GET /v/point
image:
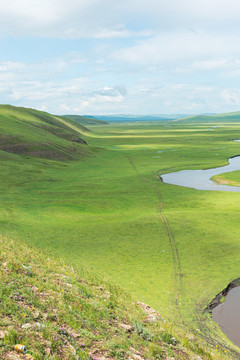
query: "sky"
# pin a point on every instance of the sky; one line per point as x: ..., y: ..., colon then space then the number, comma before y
x: 121, y: 57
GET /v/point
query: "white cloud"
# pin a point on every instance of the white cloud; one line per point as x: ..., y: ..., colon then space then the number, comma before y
x: 165, y: 56
x: 64, y: 19
x: 210, y: 64
x: 231, y: 97
x: 25, y: 85
x: 179, y: 46
x: 107, y: 18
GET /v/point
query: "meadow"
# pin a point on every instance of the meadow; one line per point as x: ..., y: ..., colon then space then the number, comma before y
x: 107, y: 211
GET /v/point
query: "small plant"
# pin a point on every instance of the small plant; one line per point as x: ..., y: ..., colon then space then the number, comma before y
x: 222, y: 299
x: 117, y: 351
x: 156, y: 351
x: 167, y: 338
x: 142, y: 331
x: 11, y: 338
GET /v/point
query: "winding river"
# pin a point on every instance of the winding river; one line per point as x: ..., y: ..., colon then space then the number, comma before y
x: 200, y: 179
x: 227, y: 314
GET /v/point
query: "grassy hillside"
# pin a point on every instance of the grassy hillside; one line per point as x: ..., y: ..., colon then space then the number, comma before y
x: 36, y: 133
x: 109, y: 213
x: 59, y: 312
x: 225, y: 118
x: 86, y: 120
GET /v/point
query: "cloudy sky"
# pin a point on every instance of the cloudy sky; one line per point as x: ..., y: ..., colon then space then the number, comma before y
x: 120, y: 57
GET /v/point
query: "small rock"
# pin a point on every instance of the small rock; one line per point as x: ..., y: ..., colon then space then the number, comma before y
x: 191, y: 337
x: 2, y: 334
x: 34, y: 289
x: 36, y: 315
x: 12, y: 357
x: 39, y: 326
x: 151, y: 318
x: 62, y: 275
x: 137, y: 357
x: 72, y: 350
x: 27, y: 267
x: 70, y: 285
x: 94, y: 351
x: 26, y: 326
x: 48, y: 351
x: 143, y: 306
x: 135, y: 351
x: 126, y: 327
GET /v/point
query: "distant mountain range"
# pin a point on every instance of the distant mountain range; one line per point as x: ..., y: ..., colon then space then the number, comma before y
x: 130, y: 118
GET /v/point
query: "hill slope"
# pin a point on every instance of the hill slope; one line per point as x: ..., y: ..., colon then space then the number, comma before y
x: 36, y: 133
x: 225, y: 117
x: 60, y: 313
x: 86, y: 120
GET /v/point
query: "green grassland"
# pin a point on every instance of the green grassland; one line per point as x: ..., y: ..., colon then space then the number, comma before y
x: 102, y: 207
x: 232, y: 178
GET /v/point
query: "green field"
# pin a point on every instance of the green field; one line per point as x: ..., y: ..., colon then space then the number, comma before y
x: 102, y: 206
x: 232, y: 178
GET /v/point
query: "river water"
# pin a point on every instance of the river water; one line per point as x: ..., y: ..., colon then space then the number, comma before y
x: 227, y: 314
x: 200, y: 179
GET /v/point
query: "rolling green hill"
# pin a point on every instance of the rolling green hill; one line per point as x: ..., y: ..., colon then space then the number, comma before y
x: 36, y: 133
x: 225, y: 118
x: 86, y: 120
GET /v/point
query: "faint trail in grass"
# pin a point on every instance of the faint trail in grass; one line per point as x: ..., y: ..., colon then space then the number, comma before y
x: 177, y: 273
x: 205, y: 332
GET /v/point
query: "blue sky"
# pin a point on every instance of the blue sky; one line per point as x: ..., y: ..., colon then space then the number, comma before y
x: 125, y: 57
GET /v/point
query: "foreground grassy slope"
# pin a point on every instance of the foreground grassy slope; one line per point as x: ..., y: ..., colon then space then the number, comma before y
x: 59, y: 312
x: 35, y: 133
x: 103, y: 213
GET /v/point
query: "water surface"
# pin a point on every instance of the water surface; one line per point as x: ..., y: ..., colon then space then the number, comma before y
x: 227, y: 315
x: 200, y: 179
